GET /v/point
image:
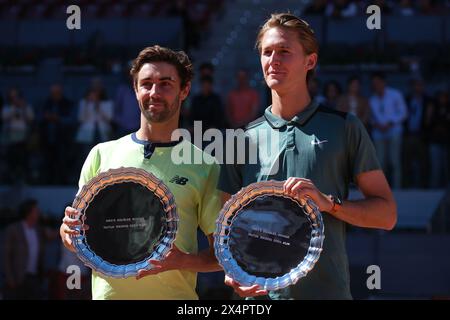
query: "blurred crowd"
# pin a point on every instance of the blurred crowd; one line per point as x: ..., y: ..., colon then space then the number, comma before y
x: 410, y: 130
x: 196, y: 15
x: 47, y: 143
x: 352, y: 8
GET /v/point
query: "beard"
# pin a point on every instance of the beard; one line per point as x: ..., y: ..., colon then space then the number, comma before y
x: 160, y: 115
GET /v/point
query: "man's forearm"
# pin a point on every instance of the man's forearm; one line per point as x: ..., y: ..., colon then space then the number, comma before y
x: 373, y: 212
x: 204, y: 261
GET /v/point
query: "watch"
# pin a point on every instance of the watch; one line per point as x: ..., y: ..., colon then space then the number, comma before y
x: 337, y: 204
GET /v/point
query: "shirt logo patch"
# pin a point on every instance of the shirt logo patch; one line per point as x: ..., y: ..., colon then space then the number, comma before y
x: 179, y: 180
x: 317, y: 142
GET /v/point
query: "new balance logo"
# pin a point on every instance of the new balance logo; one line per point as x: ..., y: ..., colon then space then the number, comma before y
x: 179, y: 180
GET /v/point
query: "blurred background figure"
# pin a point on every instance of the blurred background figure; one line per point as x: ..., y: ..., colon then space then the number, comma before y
x: 126, y: 108
x: 332, y: 92
x: 438, y: 125
x: 17, y: 116
x: 314, y: 90
x: 354, y: 102
x: 415, y: 151
x: 207, y: 106
x: 57, y: 129
x: 243, y: 102
x: 388, y: 113
x: 24, y: 254
x: 206, y: 69
x: 95, y: 116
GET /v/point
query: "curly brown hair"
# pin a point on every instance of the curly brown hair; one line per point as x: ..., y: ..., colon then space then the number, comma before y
x: 178, y: 59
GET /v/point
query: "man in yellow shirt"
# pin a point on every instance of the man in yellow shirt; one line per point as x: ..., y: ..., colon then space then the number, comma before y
x: 161, y: 80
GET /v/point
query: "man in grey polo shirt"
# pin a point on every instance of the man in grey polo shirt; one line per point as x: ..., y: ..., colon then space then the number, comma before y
x: 319, y: 153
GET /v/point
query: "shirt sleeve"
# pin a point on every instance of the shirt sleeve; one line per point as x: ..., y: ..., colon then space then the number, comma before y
x: 211, y: 202
x: 90, y: 168
x: 362, y: 156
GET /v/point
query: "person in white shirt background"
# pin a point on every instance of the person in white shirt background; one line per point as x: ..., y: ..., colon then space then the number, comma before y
x: 95, y: 116
x: 16, y: 117
x: 389, y: 111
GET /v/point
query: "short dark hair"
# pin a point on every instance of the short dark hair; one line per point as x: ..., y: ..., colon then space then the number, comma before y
x: 25, y: 207
x: 178, y: 59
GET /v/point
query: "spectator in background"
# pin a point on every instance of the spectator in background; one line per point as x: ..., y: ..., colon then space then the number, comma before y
x: 388, y: 113
x: 23, y: 255
x: 17, y: 116
x: 341, y: 9
x: 95, y: 115
x: 438, y: 128
x: 314, y: 90
x: 195, y: 16
x: 354, y: 102
x: 316, y: 8
x: 199, y: 13
x: 414, y: 145
x: 178, y: 9
x: 207, y: 106
x: 206, y: 69
x: 242, y: 102
x: 332, y: 92
x: 58, y: 121
x: 126, y: 109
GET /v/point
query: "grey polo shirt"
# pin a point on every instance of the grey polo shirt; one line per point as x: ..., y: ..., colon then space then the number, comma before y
x: 326, y: 146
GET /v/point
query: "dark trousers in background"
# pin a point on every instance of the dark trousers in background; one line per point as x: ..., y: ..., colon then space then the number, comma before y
x: 415, y: 161
x: 57, y: 160
x: 29, y: 289
x: 17, y: 162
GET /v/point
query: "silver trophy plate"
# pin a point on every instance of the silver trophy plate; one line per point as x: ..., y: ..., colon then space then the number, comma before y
x: 131, y: 217
x: 266, y: 237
